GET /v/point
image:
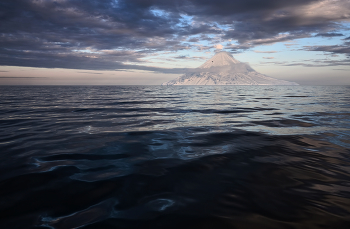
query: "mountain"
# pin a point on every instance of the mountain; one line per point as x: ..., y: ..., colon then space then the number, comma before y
x: 223, y: 69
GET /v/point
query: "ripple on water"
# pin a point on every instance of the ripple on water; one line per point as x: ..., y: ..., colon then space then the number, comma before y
x: 174, y: 157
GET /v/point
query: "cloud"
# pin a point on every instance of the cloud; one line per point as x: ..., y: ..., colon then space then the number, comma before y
x: 321, y: 63
x: 335, y: 49
x: 311, y: 63
x: 107, y: 34
x: 218, y: 46
x: 269, y: 57
x: 265, y: 51
x: 274, y: 62
x: 329, y: 35
x: 271, y: 40
x: 181, y: 57
x: 288, y: 45
x: 194, y: 39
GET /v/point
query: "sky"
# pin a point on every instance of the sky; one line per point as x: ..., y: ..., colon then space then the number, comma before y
x: 148, y: 42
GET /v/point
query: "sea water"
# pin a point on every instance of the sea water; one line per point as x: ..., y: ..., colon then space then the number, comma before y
x: 174, y: 157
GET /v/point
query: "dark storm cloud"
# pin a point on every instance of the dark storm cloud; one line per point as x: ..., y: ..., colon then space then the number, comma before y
x: 256, y: 22
x: 329, y: 35
x: 103, y: 34
x: 79, y: 62
x: 335, y: 49
x: 256, y: 42
x: 194, y: 39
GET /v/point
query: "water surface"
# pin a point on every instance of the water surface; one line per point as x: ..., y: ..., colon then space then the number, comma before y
x: 174, y: 157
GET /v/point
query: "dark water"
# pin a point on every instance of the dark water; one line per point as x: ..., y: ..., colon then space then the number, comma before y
x: 175, y: 157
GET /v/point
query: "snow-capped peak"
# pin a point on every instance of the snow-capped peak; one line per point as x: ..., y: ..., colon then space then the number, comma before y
x: 220, y: 59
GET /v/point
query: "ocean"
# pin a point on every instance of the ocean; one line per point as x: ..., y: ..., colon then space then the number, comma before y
x: 174, y: 157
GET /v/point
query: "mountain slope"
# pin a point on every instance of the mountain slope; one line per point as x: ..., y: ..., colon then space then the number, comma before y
x: 223, y: 69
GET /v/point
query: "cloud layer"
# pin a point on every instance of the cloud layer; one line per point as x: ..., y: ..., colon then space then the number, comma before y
x: 118, y: 34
